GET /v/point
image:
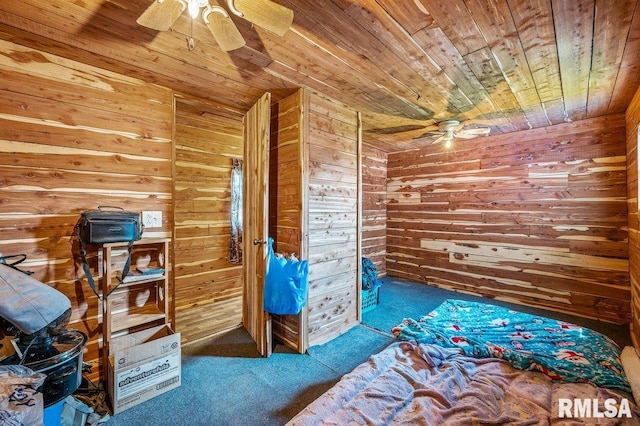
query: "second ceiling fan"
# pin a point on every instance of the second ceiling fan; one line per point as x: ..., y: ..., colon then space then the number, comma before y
x: 162, y: 14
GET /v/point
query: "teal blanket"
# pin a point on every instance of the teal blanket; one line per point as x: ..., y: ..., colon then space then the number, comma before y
x: 563, y: 351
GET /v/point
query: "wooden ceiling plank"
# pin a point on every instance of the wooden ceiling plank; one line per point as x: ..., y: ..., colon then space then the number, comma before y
x: 573, y: 23
x: 555, y: 112
x: 339, y: 34
x: 601, y: 86
x: 493, y: 18
x: 389, y: 33
x: 611, y: 29
x: 532, y: 107
x: 323, y: 66
x: 326, y: 67
x: 457, y: 23
x: 629, y: 73
x: 321, y: 30
x: 411, y: 15
x: 534, y: 23
x: 443, y: 52
x: 489, y: 74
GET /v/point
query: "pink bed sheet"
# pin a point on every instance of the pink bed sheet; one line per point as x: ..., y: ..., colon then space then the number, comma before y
x: 424, y: 384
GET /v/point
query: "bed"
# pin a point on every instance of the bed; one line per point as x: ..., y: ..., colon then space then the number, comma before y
x: 474, y: 363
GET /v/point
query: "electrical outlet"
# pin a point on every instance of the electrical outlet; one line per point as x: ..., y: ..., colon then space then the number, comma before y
x: 152, y: 219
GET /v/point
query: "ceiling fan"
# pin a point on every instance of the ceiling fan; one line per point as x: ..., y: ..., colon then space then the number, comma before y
x: 451, y: 129
x: 162, y: 14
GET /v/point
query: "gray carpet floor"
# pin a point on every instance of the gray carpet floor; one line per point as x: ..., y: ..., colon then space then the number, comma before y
x: 226, y: 382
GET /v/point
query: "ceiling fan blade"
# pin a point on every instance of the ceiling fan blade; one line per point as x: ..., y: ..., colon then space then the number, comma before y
x: 461, y: 135
x: 477, y: 131
x: 472, y: 133
x: 223, y: 29
x: 440, y: 139
x: 264, y: 13
x: 161, y: 14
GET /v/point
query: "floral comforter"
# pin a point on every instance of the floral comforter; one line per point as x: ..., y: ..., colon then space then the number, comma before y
x: 563, y: 351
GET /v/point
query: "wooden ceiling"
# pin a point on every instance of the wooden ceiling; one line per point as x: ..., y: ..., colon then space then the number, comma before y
x: 405, y: 64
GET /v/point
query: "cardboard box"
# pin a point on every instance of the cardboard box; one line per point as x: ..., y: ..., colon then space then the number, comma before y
x: 143, y: 365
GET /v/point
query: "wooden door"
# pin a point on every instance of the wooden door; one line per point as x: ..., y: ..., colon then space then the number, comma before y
x: 256, y: 218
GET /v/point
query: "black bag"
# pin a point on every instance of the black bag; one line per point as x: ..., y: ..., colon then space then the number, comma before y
x: 109, y: 226
x: 103, y: 226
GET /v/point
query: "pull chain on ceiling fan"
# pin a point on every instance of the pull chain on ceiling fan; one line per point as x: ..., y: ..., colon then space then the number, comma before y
x: 162, y: 14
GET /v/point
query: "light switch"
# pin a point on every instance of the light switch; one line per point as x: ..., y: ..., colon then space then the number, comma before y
x: 152, y: 219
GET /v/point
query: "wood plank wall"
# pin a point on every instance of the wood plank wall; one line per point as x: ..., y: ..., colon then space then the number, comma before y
x: 537, y: 218
x: 286, y: 170
x: 333, y: 233
x: 633, y: 130
x: 374, y: 207
x: 74, y: 137
x: 208, y: 288
x: 287, y: 206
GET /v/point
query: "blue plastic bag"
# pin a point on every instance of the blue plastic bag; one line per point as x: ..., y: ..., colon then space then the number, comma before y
x: 285, y: 287
x: 369, y: 275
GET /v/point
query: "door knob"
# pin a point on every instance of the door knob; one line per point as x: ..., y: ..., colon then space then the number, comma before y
x: 257, y: 242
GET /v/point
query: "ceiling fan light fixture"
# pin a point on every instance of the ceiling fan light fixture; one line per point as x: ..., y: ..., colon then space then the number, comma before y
x: 449, y: 130
x: 194, y: 6
x: 450, y: 135
x: 162, y: 14
x: 448, y: 126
